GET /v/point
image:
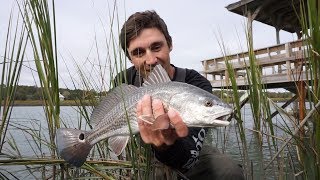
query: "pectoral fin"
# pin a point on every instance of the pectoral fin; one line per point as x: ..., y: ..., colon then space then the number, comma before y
x: 118, y: 143
x: 147, y: 118
x: 161, y: 122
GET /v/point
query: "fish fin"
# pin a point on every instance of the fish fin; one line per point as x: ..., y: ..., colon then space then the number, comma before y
x: 157, y: 75
x: 159, y: 123
x: 118, y: 143
x: 72, y: 145
x: 162, y: 122
x: 108, y: 102
x: 147, y: 118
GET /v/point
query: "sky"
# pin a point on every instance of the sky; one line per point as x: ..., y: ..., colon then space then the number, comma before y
x: 196, y: 27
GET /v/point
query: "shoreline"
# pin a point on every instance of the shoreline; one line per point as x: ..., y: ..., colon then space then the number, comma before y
x: 62, y: 103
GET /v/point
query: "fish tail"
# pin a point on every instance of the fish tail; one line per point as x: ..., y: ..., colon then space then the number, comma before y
x: 72, y: 145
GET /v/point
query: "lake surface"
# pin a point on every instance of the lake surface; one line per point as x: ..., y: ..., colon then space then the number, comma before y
x: 225, y: 139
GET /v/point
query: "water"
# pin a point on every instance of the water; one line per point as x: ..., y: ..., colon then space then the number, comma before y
x: 25, y: 121
x: 226, y: 139
x: 258, y: 155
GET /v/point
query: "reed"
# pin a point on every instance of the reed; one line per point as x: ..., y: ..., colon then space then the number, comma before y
x: 39, y: 25
x: 304, y: 161
x: 237, y: 103
x: 15, y: 46
x: 309, y: 143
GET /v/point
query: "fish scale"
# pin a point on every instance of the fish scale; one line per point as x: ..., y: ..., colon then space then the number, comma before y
x: 118, y: 113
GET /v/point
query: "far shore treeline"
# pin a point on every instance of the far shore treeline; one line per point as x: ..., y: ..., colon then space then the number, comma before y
x: 33, y: 93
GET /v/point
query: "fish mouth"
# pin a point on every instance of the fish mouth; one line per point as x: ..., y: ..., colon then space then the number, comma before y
x: 223, y: 114
x: 213, y: 124
x: 220, y: 119
x: 223, y: 117
x: 220, y: 123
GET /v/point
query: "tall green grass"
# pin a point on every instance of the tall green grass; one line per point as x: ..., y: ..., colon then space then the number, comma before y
x: 309, y: 145
x: 15, y: 46
x: 38, y: 22
x: 304, y: 162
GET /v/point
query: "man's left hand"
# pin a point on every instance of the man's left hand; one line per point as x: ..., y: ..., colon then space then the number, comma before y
x: 161, y: 137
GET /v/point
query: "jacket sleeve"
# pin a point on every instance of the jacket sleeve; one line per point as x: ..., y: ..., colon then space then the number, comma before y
x: 184, y: 153
x: 125, y: 76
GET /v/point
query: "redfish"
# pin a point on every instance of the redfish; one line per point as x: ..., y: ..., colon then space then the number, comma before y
x: 115, y: 117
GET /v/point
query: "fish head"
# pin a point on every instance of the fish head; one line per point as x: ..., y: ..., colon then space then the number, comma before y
x: 201, y: 109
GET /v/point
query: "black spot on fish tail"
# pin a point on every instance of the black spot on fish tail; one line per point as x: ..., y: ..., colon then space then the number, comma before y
x: 72, y: 146
x: 76, y: 155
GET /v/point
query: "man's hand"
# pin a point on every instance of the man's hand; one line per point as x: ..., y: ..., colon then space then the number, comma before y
x: 162, y: 137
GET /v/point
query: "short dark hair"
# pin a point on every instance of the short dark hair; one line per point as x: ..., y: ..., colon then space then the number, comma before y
x: 139, y: 21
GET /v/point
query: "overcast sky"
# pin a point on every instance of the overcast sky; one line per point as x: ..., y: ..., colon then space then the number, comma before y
x: 195, y: 26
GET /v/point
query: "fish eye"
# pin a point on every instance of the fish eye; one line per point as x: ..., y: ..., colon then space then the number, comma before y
x: 81, y: 136
x: 208, y: 104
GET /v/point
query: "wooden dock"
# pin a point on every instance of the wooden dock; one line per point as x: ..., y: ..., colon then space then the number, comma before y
x: 282, y: 66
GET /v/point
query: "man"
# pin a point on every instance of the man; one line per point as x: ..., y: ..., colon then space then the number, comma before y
x: 146, y: 41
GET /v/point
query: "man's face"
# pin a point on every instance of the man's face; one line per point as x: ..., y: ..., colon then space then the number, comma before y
x: 148, y: 49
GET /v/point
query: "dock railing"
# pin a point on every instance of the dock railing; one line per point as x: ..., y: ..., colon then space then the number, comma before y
x: 279, y: 63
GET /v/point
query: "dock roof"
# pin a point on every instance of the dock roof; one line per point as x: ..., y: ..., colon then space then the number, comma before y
x: 281, y: 14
